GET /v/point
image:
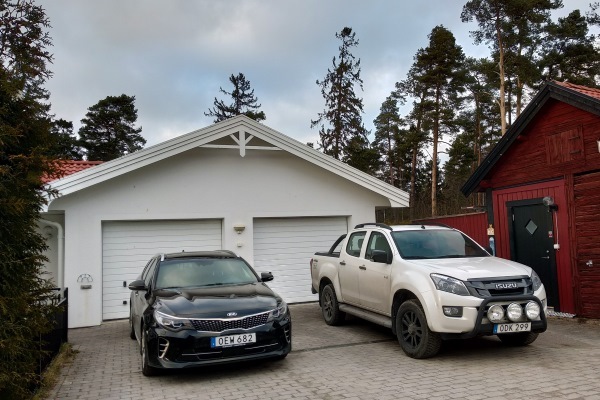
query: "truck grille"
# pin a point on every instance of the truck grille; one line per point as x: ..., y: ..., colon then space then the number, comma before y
x: 494, y: 287
x: 220, y: 325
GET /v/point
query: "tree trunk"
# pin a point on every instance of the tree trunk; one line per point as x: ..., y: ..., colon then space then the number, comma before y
x: 502, y: 100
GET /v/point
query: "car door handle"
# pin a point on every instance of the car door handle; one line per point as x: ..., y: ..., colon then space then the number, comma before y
x: 342, y: 262
x: 547, y: 257
x: 363, y: 267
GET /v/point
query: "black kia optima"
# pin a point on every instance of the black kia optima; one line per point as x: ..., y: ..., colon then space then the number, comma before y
x: 192, y: 309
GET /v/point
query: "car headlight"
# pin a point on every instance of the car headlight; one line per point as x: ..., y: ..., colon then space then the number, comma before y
x: 535, y: 279
x: 172, y: 323
x: 279, y: 312
x: 450, y: 285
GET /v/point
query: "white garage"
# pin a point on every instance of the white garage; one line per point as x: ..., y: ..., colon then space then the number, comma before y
x: 284, y: 246
x: 237, y: 185
x: 128, y: 245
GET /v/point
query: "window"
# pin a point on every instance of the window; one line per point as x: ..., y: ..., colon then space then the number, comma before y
x: 179, y: 273
x: 436, y: 243
x: 377, y: 241
x: 355, y: 243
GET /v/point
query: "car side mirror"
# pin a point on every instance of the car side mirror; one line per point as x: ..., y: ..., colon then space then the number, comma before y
x: 381, y: 256
x: 266, y: 276
x: 138, y: 284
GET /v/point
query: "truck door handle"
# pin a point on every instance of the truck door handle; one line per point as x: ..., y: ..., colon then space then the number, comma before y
x: 342, y: 262
x: 363, y: 267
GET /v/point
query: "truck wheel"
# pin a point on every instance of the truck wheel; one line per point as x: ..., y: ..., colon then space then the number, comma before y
x: 518, y: 339
x: 330, y: 306
x: 415, y: 337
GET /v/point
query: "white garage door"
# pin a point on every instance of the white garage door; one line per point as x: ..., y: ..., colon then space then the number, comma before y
x: 284, y: 246
x: 128, y: 245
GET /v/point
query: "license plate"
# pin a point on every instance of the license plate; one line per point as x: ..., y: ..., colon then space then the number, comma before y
x: 512, y: 328
x: 232, y: 340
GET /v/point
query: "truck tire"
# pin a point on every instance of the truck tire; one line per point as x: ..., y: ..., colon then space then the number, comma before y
x: 330, y: 307
x: 414, y: 336
x: 518, y: 339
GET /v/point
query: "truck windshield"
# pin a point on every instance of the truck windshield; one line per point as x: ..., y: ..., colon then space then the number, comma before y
x: 435, y: 243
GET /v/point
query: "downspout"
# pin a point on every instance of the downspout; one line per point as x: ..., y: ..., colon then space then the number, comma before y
x: 61, y: 244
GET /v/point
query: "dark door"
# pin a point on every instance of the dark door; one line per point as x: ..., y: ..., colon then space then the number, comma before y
x: 532, y: 243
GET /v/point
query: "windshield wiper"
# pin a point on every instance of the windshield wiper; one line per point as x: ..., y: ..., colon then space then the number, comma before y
x: 452, y: 256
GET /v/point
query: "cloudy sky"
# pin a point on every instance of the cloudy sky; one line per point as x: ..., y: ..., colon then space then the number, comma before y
x: 173, y: 55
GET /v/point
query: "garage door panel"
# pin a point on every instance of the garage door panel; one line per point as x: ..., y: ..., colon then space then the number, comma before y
x: 127, y: 246
x: 284, y: 246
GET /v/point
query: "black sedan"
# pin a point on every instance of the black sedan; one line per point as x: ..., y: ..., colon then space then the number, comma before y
x: 199, y: 308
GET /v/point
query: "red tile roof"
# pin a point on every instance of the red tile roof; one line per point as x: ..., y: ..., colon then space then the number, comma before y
x: 68, y: 167
x: 588, y: 91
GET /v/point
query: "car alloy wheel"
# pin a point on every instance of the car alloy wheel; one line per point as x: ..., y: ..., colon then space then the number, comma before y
x: 147, y: 370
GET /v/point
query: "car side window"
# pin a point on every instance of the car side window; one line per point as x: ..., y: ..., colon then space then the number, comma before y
x: 355, y: 243
x: 147, y: 269
x: 150, y: 274
x: 377, y: 241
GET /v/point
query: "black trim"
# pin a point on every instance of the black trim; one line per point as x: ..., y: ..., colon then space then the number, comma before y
x: 550, y: 90
x: 380, y: 225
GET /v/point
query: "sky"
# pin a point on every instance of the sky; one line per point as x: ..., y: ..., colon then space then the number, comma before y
x: 174, y: 55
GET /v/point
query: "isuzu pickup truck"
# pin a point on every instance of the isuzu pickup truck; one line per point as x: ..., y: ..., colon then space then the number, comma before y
x: 428, y: 283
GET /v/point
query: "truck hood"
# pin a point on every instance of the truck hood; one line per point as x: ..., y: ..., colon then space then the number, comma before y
x: 473, y: 267
x: 216, y: 302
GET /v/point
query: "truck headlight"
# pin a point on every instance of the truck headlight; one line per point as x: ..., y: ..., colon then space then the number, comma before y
x: 535, y: 279
x: 450, y: 285
x: 495, y: 313
x: 514, y: 312
x: 172, y: 323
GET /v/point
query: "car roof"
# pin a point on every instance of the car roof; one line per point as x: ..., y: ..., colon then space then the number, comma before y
x: 199, y: 254
x: 406, y: 227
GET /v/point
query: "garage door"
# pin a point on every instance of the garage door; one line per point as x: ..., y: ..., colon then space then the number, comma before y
x: 128, y: 245
x: 285, y: 246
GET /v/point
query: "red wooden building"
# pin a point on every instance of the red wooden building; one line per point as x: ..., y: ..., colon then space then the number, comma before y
x: 542, y: 185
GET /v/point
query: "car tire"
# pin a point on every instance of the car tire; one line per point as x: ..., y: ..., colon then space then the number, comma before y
x: 131, y: 329
x: 281, y: 357
x: 330, y: 307
x: 147, y: 370
x: 414, y: 336
x: 518, y: 339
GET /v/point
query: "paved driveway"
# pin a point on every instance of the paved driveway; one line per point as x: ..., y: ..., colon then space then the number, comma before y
x: 356, y: 361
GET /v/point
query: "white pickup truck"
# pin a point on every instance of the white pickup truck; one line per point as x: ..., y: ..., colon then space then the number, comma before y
x: 428, y: 283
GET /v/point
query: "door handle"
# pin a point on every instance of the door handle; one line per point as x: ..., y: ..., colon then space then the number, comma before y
x: 547, y: 257
x: 342, y: 262
x: 362, y: 267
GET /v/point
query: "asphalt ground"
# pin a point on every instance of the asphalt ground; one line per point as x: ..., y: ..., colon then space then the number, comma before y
x: 358, y: 360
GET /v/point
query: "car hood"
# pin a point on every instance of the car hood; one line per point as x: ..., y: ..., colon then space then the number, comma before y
x: 217, y: 301
x: 473, y: 267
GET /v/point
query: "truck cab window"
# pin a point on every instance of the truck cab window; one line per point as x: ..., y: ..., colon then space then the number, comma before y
x: 355, y: 243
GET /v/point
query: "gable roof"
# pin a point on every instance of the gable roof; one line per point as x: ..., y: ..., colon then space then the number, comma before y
x: 238, y: 132
x: 68, y: 167
x: 582, y: 97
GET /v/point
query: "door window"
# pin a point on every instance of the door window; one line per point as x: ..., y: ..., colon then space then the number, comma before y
x: 377, y: 241
x: 355, y: 243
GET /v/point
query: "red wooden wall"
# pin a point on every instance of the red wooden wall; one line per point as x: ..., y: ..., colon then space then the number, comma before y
x: 474, y: 225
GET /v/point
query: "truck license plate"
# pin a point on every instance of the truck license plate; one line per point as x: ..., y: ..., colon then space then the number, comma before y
x: 232, y: 340
x: 512, y: 328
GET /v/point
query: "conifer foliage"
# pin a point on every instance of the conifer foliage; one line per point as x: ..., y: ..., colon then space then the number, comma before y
x: 24, y: 134
x: 108, y: 130
x: 243, y: 102
x: 341, y: 130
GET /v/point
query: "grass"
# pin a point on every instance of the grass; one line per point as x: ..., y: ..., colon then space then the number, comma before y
x: 52, y: 373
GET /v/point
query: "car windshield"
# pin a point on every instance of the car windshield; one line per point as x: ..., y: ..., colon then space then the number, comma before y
x: 180, y: 273
x: 435, y: 243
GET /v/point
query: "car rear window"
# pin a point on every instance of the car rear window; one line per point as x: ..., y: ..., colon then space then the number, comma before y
x: 198, y: 272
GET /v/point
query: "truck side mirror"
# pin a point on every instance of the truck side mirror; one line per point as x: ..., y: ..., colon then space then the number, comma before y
x: 381, y: 256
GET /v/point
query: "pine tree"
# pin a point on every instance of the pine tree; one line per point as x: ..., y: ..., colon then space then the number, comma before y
x: 569, y: 53
x: 439, y: 72
x: 24, y: 134
x: 341, y: 130
x: 108, y: 130
x: 387, y: 132
x: 64, y: 145
x: 243, y: 102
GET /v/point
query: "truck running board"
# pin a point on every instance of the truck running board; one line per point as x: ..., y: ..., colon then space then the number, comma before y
x: 367, y: 315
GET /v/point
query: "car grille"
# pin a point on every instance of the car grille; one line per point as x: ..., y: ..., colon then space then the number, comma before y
x: 509, y: 286
x: 220, y: 325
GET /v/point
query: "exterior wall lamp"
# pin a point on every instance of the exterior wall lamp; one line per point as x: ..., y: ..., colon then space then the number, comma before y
x: 549, y: 202
x: 239, y: 228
